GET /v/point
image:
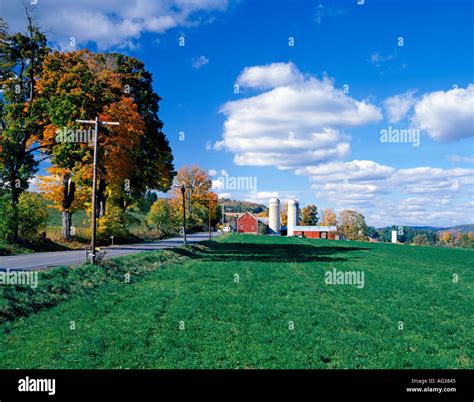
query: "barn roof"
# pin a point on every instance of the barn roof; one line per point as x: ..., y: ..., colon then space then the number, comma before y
x: 315, y: 228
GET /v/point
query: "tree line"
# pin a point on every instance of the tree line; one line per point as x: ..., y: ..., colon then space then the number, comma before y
x: 43, y: 93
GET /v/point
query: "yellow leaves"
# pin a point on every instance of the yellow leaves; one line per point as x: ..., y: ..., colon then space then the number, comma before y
x: 329, y: 218
x: 445, y: 237
x: 49, y: 134
x: 198, y: 192
x: 51, y: 188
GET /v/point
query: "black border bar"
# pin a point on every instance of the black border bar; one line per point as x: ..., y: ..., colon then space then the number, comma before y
x: 322, y: 385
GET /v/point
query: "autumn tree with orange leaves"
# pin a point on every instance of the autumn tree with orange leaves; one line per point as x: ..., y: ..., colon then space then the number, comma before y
x: 133, y: 157
x: 329, y: 218
x: 199, y: 198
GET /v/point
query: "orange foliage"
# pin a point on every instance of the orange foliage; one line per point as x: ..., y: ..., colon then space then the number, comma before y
x: 445, y: 237
x: 52, y: 188
x: 329, y: 218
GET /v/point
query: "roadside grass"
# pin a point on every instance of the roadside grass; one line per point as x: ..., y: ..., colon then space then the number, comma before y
x: 11, y: 249
x: 138, y: 232
x: 232, y: 303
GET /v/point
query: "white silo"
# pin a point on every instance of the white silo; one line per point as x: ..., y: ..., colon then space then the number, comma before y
x: 274, y: 215
x: 293, y: 206
x: 297, y: 212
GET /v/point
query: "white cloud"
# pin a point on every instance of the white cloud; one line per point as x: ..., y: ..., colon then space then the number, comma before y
x: 212, y: 172
x: 260, y: 197
x: 218, y: 184
x: 294, y: 124
x: 270, y: 76
x: 109, y: 23
x: 460, y: 159
x: 398, y: 106
x: 446, y: 116
x: 433, y: 181
x: 419, y: 211
x: 355, y: 171
x: 200, y: 61
x: 414, y: 196
x: 349, y: 195
x: 33, y: 185
x: 357, y: 184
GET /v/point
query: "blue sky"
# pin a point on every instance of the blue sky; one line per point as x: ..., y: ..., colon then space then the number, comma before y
x: 308, y: 119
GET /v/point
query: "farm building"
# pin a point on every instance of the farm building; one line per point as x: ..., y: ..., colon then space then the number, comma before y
x: 249, y: 223
x: 316, y: 232
x: 313, y: 232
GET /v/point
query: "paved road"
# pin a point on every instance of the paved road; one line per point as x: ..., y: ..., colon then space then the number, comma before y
x: 35, y: 261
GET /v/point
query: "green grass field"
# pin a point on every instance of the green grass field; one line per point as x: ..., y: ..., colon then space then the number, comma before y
x: 280, y: 313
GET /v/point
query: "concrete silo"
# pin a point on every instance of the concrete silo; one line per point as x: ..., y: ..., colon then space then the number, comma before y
x: 293, y: 206
x: 274, y: 216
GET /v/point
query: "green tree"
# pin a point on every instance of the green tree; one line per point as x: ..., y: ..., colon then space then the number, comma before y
x: 309, y: 215
x: 146, y: 201
x: 372, y: 232
x: 33, y: 215
x: 5, y: 216
x: 421, y: 240
x: 114, y: 223
x: 21, y: 58
x: 163, y: 217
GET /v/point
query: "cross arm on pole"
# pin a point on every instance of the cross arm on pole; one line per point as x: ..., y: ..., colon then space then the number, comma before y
x: 96, y: 122
x: 86, y: 121
x: 109, y: 123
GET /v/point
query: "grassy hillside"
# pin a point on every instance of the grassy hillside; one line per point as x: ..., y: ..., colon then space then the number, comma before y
x: 194, y: 313
x: 242, y: 206
x: 79, y: 218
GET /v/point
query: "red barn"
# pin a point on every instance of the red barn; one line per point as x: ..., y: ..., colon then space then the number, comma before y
x: 248, y: 223
x: 316, y: 232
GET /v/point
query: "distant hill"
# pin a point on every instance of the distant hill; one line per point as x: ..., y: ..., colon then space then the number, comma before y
x: 242, y: 206
x: 434, y: 228
x: 460, y: 229
x: 453, y: 229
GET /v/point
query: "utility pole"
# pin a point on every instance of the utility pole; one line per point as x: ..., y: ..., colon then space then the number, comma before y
x: 96, y: 123
x: 183, y: 191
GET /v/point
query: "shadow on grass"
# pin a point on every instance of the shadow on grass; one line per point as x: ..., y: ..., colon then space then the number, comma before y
x: 283, y: 253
